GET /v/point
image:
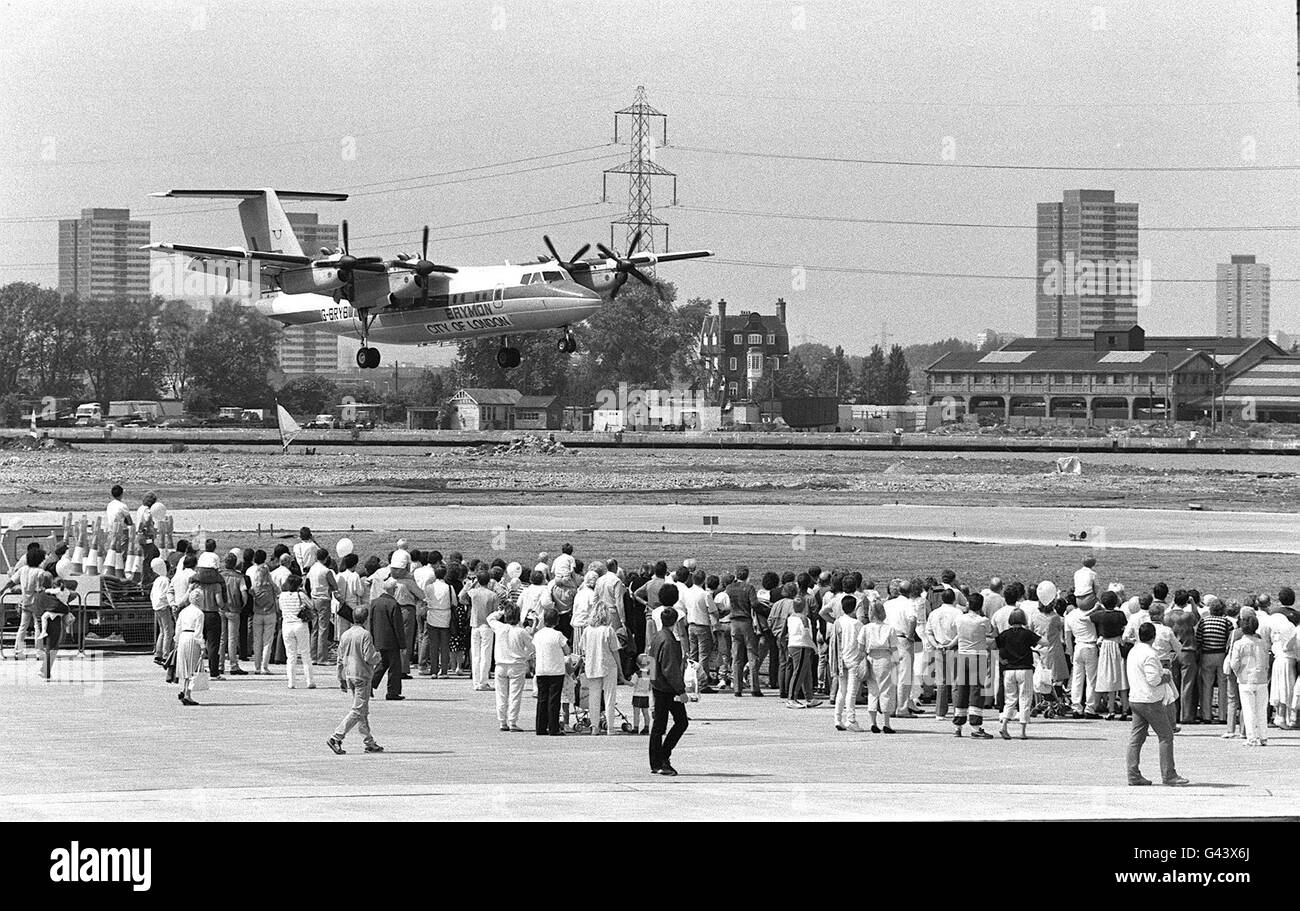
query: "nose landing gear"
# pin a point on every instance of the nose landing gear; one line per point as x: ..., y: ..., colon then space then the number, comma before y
x: 567, y: 343
x: 367, y: 357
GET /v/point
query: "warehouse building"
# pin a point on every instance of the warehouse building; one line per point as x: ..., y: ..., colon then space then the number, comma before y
x: 1116, y: 374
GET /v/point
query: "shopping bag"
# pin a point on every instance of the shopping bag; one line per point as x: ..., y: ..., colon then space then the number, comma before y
x: 201, y: 682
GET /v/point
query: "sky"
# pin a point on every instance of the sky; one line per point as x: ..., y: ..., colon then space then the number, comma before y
x: 492, y: 121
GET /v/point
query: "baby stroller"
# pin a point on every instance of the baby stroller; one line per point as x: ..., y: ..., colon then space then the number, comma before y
x: 580, y: 718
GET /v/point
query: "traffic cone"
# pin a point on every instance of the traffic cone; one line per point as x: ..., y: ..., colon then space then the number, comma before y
x: 77, y: 564
x: 92, y: 553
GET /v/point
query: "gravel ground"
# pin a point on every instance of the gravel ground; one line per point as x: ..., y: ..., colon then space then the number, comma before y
x: 77, y: 479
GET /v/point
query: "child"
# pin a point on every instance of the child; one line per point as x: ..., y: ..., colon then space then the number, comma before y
x: 641, y: 695
x: 358, y: 659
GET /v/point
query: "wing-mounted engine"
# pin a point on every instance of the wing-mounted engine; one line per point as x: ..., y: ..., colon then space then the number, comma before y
x: 610, y: 273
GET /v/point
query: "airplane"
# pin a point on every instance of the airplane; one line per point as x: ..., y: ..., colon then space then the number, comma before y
x: 411, y: 299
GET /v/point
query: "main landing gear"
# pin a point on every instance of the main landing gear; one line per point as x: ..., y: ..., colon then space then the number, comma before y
x: 367, y: 357
x: 567, y: 343
x: 508, y: 358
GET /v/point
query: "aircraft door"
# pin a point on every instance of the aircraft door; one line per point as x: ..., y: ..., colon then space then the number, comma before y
x: 498, y: 297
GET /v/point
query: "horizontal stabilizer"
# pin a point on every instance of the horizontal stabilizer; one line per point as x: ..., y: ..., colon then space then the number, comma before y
x: 254, y: 194
x: 230, y: 253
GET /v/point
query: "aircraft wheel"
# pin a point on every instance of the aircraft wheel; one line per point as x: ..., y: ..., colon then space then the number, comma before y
x: 567, y: 344
x: 508, y: 358
x: 367, y: 358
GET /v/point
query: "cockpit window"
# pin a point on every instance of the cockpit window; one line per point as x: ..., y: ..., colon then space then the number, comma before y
x: 552, y: 276
x: 527, y: 278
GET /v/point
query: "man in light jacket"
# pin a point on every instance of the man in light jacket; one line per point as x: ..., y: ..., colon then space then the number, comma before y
x: 1148, y: 693
x: 357, y: 661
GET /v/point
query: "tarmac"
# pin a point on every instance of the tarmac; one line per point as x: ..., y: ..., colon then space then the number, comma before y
x: 108, y: 740
x: 1146, y: 529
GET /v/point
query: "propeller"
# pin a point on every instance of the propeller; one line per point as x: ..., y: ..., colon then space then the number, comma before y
x: 346, y: 263
x: 423, y: 267
x: 625, y: 266
x: 573, y: 262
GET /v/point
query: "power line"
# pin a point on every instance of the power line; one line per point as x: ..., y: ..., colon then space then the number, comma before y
x: 912, y: 273
x: 479, y: 221
x: 905, y: 163
x: 154, y: 213
x: 844, y: 219
x: 996, y: 105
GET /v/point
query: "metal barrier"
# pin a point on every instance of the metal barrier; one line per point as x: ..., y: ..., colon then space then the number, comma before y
x: 104, y: 619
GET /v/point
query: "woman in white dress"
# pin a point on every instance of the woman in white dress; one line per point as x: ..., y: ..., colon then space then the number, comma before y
x: 189, y: 646
x: 294, y: 605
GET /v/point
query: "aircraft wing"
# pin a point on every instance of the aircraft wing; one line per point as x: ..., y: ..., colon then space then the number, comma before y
x: 270, y: 262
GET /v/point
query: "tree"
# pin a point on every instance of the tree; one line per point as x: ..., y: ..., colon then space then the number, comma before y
x: 308, y: 394
x: 897, y: 379
x: 120, y: 347
x: 871, y: 379
x: 19, y: 305
x: 642, y: 339
x: 792, y: 380
x: 176, y: 324
x: 430, y: 389
x: 233, y: 354
x: 55, y: 347
x: 835, y: 379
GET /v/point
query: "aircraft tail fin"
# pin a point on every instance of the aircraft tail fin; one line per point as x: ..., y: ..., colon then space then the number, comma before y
x: 266, y: 226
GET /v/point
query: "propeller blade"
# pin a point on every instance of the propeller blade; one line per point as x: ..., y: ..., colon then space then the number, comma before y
x: 581, y: 252
x: 448, y: 270
x: 550, y: 246
x: 636, y: 239
x: 424, y: 246
x: 640, y: 275
x: 607, y: 252
x: 345, y: 236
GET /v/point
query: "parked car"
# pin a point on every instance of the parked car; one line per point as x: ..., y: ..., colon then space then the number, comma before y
x: 322, y: 422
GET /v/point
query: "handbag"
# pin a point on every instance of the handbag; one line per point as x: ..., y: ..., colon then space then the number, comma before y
x: 201, y: 682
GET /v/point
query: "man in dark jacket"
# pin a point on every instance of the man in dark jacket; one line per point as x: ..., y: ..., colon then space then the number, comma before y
x: 668, y: 689
x: 389, y: 633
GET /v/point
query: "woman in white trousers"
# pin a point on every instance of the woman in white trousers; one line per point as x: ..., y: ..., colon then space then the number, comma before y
x: 297, y: 639
x: 1249, y: 661
x: 600, y: 665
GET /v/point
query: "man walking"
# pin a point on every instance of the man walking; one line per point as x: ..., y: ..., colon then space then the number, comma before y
x: 389, y: 632
x: 1148, y: 693
x: 357, y: 661
x: 668, y: 687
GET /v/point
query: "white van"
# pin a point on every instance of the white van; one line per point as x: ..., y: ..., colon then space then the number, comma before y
x: 89, y: 415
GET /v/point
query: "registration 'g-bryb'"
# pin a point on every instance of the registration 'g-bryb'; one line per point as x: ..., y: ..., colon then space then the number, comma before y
x: 412, y: 300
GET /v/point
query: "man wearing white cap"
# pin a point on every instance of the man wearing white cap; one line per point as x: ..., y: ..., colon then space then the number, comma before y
x: 1082, y: 644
